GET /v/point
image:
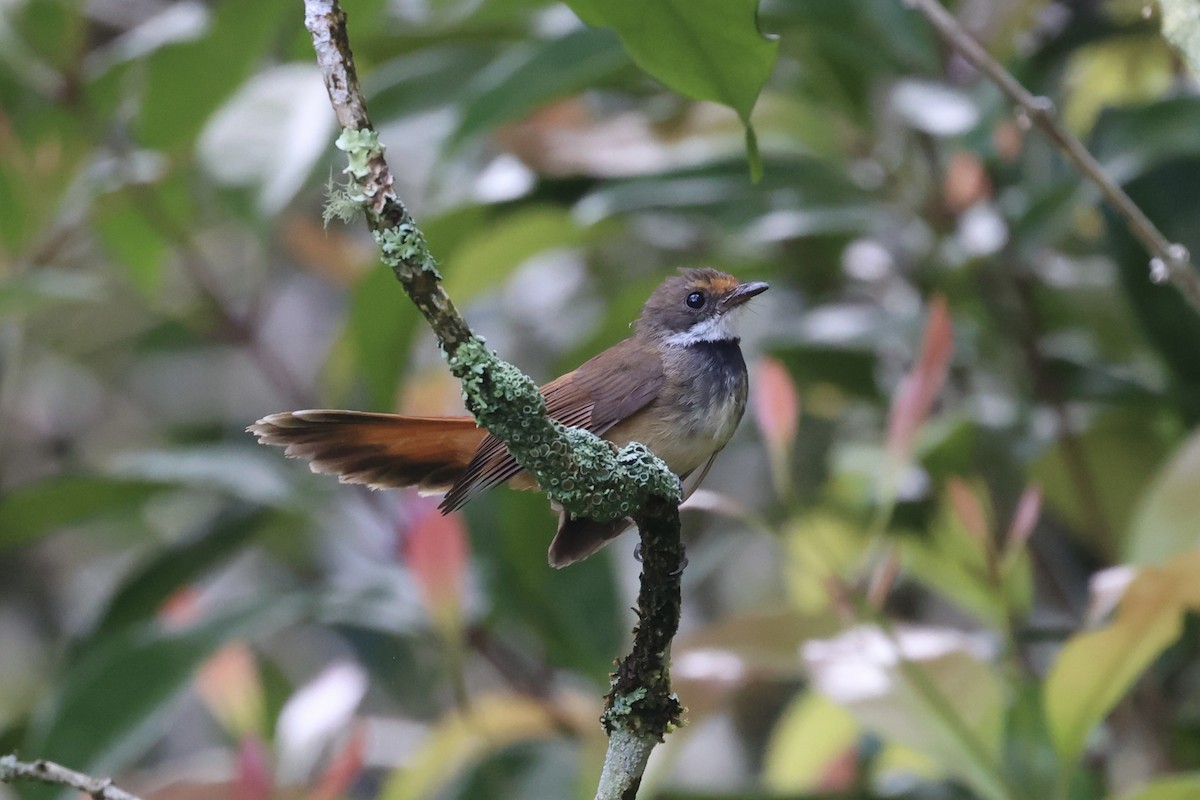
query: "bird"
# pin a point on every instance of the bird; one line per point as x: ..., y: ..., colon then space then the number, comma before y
x: 678, y: 385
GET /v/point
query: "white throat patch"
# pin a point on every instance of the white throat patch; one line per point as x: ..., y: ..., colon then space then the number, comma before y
x: 714, y: 329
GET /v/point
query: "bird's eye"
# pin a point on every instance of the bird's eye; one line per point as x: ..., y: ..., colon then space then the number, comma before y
x: 695, y: 300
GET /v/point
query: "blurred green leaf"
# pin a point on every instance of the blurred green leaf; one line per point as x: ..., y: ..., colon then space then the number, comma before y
x: 213, y: 66
x: 575, y: 611
x: 459, y: 740
x: 1119, y: 457
x: 927, y: 688
x: 531, y: 77
x: 1167, y: 195
x: 240, y: 470
x: 1166, y: 521
x: 112, y: 703
x: 852, y: 370
x: 484, y: 260
x: 1095, y: 669
x: 38, y: 509
x: 1175, y: 787
x: 1131, y: 140
x: 810, y: 736
x: 381, y: 325
x: 142, y: 593
x: 46, y: 288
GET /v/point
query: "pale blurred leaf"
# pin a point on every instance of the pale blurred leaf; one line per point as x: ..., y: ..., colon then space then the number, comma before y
x: 1095, y: 669
x: 929, y: 688
x: 810, y: 735
x: 1165, y: 522
x: 492, y: 722
x: 916, y: 393
x: 1176, y: 787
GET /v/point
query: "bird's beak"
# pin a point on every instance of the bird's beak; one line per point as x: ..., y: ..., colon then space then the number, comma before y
x: 744, y: 292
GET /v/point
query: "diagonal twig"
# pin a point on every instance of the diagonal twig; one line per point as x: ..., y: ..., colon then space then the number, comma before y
x: 12, y: 771
x: 1170, y: 261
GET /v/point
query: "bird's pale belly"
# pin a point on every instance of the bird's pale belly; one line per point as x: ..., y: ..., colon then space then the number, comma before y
x: 685, y: 438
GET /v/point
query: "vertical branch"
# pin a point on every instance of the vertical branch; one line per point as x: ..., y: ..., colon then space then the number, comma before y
x: 583, y: 473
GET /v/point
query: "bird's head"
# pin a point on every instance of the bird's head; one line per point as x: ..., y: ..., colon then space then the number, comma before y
x: 698, y: 305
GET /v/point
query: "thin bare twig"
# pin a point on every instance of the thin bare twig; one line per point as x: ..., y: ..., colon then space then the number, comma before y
x: 1170, y: 261
x: 12, y: 771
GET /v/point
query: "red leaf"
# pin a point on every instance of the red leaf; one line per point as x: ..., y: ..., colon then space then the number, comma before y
x: 920, y: 387
x: 776, y: 404
x: 253, y: 777
x: 345, y: 767
x: 1025, y: 518
x: 435, y: 549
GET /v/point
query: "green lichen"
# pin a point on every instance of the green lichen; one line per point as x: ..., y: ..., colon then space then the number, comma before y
x: 588, y: 476
x: 342, y: 202
x: 404, y: 249
x: 360, y: 147
x: 623, y: 705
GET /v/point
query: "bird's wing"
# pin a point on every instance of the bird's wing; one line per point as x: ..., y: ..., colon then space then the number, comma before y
x: 603, y: 391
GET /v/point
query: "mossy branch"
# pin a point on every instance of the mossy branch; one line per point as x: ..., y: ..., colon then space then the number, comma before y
x: 588, y: 476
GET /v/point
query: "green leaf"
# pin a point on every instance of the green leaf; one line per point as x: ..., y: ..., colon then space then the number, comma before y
x: 1119, y: 457
x: 1164, y: 524
x: 381, y: 329
x: 38, y: 509
x: 143, y: 592
x: 810, y: 736
x: 186, y: 82
x: 114, y: 700
x: 926, y: 688
x: 705, y: 49
x: 1176, y: 787
x: 543, y: 72
x: 1095, y: 669
x: 576, y: 611
x: 47, y: 287
x: 483, y: 261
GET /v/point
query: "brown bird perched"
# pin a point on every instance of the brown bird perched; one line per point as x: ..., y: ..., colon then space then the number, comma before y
x: 678, y: 386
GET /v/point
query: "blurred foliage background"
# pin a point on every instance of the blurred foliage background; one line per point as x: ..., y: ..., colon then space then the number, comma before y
x: 203, y: 618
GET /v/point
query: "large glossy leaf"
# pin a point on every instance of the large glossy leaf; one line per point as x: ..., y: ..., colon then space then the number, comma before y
x: 1095, y: 669
x: 706, y: 49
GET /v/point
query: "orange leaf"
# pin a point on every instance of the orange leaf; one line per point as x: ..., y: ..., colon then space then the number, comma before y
x: 920, y: 387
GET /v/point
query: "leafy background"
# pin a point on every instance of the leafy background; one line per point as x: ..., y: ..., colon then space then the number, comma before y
x: 191, y: 612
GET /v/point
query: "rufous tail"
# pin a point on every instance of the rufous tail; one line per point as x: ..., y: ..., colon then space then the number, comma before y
x: 379, y: 450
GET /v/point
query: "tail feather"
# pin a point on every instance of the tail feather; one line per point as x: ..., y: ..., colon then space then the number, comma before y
x: 379, y: 450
